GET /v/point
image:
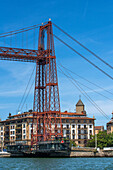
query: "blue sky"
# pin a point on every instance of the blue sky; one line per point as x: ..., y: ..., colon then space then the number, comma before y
x: 91, y: 22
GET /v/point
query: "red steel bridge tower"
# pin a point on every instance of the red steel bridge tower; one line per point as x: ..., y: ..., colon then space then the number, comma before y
x: 46, y: 116
x: 47, y: 123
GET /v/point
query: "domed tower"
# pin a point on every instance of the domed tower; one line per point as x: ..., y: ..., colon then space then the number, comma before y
x: 80, y: 107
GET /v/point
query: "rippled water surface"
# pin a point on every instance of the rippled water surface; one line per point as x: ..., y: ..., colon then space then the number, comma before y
x: 56, y: 163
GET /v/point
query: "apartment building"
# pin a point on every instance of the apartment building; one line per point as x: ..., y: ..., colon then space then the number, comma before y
x: 98, y: 129
x: 76, y: 126
x: 110, y: 125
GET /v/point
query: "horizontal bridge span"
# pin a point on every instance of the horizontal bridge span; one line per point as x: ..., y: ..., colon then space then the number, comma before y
x: 17, y: 54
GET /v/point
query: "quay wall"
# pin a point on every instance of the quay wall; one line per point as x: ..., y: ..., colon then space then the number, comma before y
x: 79, y: 152
x: 75, y: 152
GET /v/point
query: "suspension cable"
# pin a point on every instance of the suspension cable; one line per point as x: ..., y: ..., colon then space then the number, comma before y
x: 27, y: 95
x: 83, y: 57
x: 83, y: 46
x: 26, y: 89
x: 18, y: 32
x: 85, y: 94
x: 90, y: 88
x: 23, y: 29
x: 86, y: 80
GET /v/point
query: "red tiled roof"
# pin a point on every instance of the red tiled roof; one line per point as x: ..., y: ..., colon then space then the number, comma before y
x: 98, y: 127
x: 110, y: 122
x: 71, y: 113
x: 79, y: 118
x: 63, y: 113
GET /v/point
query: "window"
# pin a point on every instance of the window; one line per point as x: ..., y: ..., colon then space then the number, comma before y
x: 73, y: 136
x: 67, y: 126
x: 84, y: 121
x: 85, y: 137
x: 90, y: 126
x: 84, y: 126
x: 64, y: 132
x: 13, y: 132
x: 90, y: 121
x: 24, y: 136
x: 67, y: 132
x: 85, y: 131
x: 24, y: 131
x: 1, y: 127
x: 73, y: 126
x: 78, y: 126
x: 68, y: 137
x: 78, y: 121
x: 24, y: 125
x: 79, y: 131
x: 63, y: 121
x: 73, y: 131
x: 90, y: 131
x: 73, y: 121
x: 67, y: 121
x: 1, y: 133
x: 79, y: 142
x: 79, y: 137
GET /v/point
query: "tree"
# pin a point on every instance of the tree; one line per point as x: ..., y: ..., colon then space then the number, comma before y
x: 72, y: 143
x: 103, y: 140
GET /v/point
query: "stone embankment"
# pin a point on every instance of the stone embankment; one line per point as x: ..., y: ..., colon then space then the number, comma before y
x: 90, y: 152
x: 75, y: 152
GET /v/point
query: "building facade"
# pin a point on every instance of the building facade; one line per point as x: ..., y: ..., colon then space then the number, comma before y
x: 110, y: 125
x: 98, y: 129
x: 76, y: 126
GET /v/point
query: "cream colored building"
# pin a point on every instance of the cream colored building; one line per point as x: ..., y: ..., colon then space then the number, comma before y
x: 98, y: 129
x: 110, y: 125
x: 76, y: 126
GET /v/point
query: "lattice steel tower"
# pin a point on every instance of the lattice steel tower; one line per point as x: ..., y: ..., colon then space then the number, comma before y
x: 46, y: 116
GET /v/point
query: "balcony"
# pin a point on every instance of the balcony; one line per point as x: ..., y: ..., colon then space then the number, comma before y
x: 18, y: 139
x: 18, y: 127
x: 82, y: 137
x: 67, y: 132
x: 82, y: 128
x: 6, y: 134
x: 19, y: 133
x: 80, y: 133
x: 6, y: 139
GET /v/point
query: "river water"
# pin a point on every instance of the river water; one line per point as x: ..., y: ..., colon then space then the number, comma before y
x: 56, y: 163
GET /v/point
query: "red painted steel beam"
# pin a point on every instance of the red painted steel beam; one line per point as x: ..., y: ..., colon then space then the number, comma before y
x: 24, y: 55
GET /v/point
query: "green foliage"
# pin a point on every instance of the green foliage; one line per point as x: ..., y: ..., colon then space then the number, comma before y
x: 103, y: 140
x: 72, y: 143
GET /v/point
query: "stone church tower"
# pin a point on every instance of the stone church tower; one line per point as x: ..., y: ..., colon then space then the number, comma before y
x: 80, y: 107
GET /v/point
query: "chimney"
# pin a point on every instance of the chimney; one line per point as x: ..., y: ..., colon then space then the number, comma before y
x: 9, y: 114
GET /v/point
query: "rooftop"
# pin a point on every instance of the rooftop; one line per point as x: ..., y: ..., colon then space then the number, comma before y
x: 80, y: 103
x: 98, y: 127
x: 64, y: 115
